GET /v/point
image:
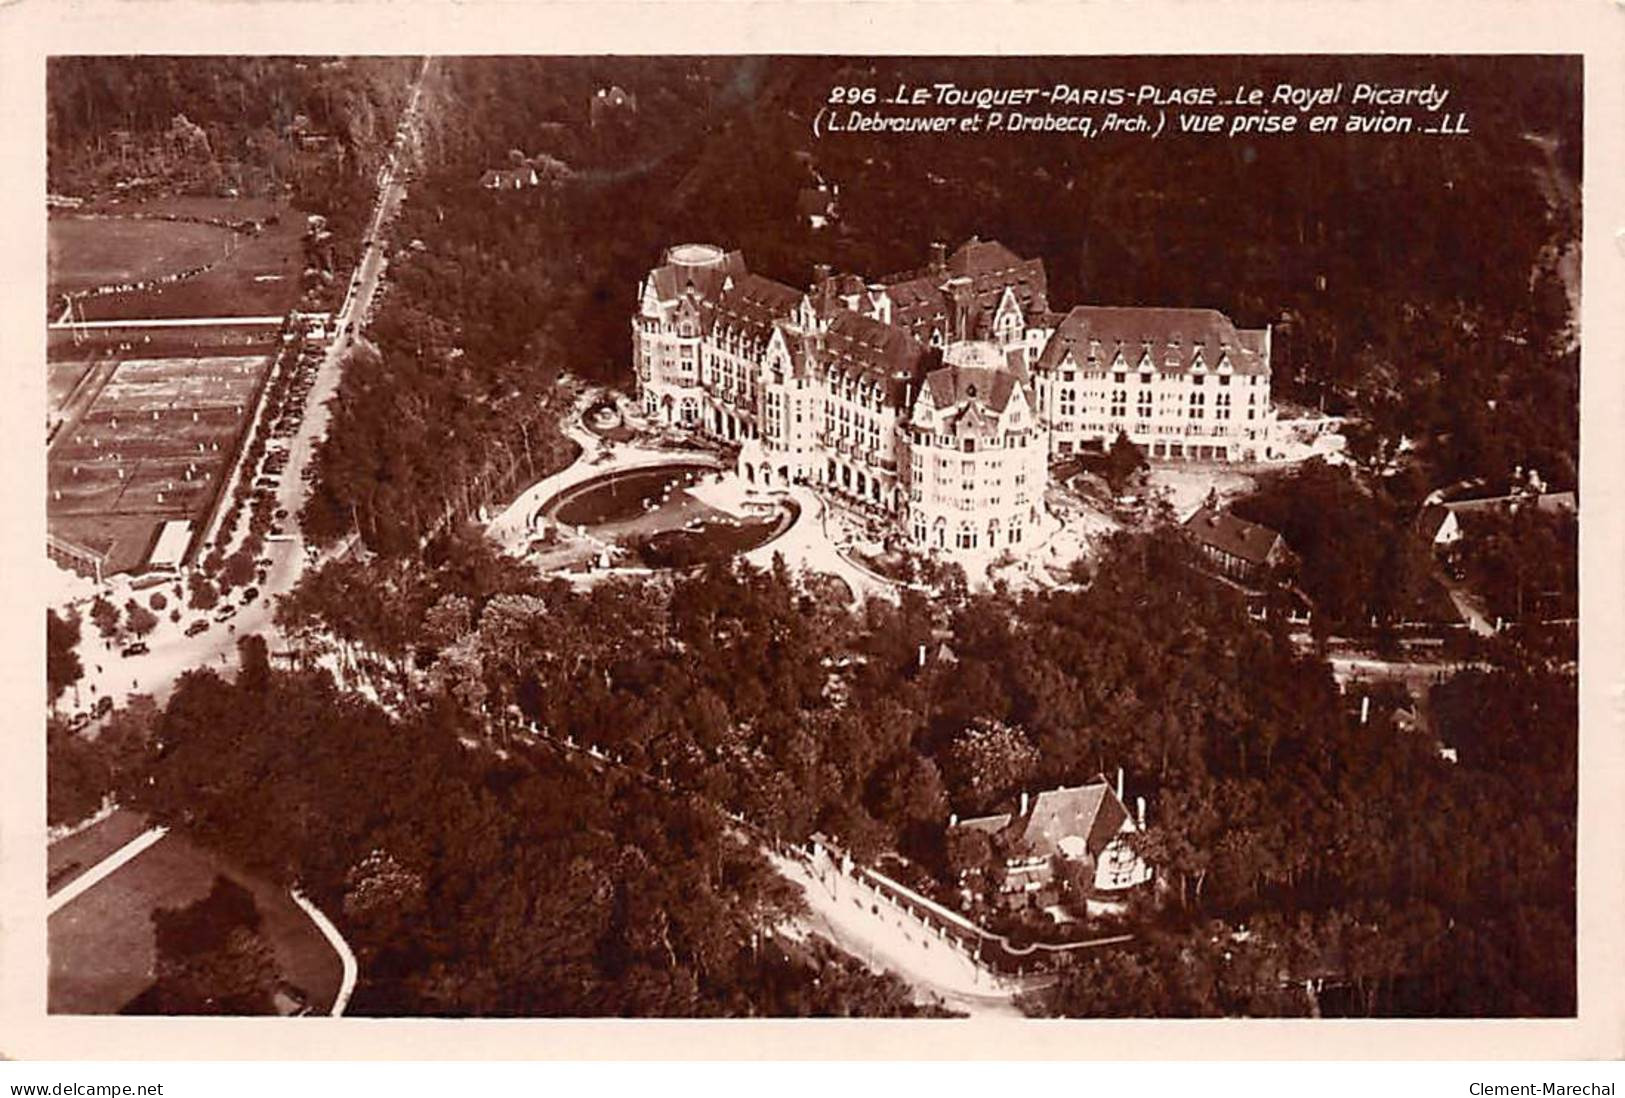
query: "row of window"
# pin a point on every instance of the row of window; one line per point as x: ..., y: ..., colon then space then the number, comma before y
x: 966, y: 537
x: 1194, y: 375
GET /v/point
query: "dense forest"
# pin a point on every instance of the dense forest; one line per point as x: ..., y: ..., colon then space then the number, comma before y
x: 1367, y: 253
x: 1342, y: 851
x: 312, y: 129
x: 468, y: 882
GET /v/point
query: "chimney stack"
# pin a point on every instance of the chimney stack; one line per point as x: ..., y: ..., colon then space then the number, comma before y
x: 821, y: 274
x: 939, y: 255
x: 1023, y: 811
x: 953, y: 819
x: 1120, y: 783
x: 922, y: 655
x: 1365, y: 708
x: 1139, y: 812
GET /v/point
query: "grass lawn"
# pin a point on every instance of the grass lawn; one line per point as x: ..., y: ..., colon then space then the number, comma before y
x: 261, y: 278
x: 185, y: 205
x: 101, y: 944
x: 86, y: 252
x: 68, y: 858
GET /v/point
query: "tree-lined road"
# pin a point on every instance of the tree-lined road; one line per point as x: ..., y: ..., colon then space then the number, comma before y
x: 171, y: 651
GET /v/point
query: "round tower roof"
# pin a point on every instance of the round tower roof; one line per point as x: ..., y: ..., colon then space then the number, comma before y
x: 696, y: 255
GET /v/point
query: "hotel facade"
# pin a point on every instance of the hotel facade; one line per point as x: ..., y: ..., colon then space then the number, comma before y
x: 939, y: 396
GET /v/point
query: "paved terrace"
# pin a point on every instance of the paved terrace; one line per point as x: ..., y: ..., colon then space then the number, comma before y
x: 806, y: 544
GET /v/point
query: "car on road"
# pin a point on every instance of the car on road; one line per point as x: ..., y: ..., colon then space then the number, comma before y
x: 139, y: 648
x: 250, y: 595
x: 225, y: 613
x: 104, y: 706
x: 199, y: 626
x: 281, y: 512
x: 78, y: 721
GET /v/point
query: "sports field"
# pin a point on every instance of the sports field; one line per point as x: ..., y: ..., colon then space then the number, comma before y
x: 261, y: 277
x: 154, y: 446
x: 248, y: 273
x: 101, y: 945
x: 86, y: 252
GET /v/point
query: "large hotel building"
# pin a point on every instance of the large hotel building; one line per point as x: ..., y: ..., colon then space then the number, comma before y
x: 938, y: 396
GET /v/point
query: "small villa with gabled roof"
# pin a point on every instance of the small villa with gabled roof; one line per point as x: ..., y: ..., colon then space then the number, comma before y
x: 1086, y: 825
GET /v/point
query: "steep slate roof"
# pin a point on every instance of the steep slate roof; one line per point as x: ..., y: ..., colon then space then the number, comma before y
x: 883, y: 353
x: 802, y: 348
x: 990, y: 825
x: 1089, y: 812
x: 1175, y: 336
x: 977, y: 274
x: 1432, y: 518
x: 673, y: 279
x: 843, y: 285
x: 977, y: 256
x: 1092, y: 813
x: 988, y: 385
x: 1550, y: 502
x: 917, y: 302
x: 1225, y: 532
x: 992, y: 268
x: 753, y: 304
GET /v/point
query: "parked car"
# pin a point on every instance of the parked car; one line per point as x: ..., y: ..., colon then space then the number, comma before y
x: 104, y: 706
x: 78, y: 721
x: 225, y: 612
x: 250, y: 595
x: 199, y: 626
x: 281, y: 512
x: 139, y: 648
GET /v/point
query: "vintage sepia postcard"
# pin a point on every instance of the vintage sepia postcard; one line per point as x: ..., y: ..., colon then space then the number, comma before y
x: 813, y: 514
